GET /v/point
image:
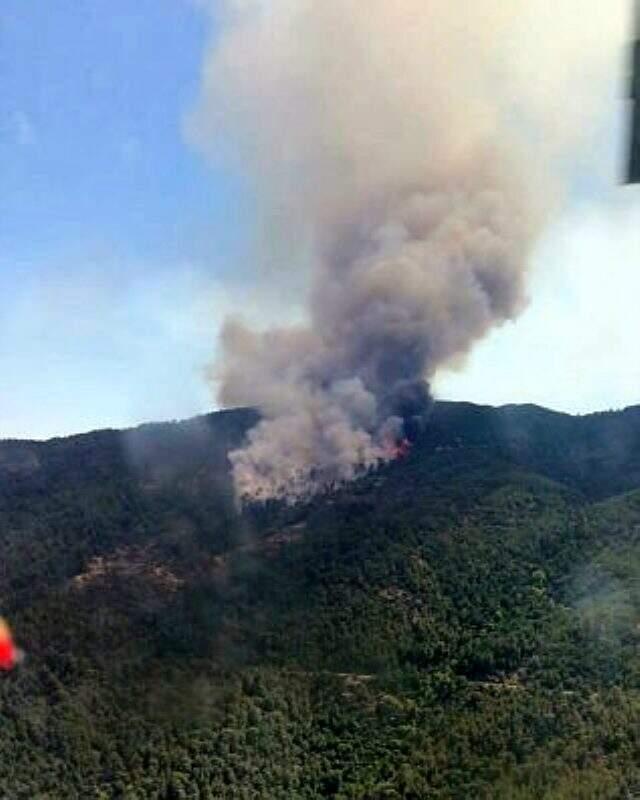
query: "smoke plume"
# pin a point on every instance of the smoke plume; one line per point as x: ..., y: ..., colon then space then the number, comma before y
x: 413, y: 147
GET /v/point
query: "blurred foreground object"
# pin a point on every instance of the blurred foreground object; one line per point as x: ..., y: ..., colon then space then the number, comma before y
x: 10, y: 655
x: 633, y: 175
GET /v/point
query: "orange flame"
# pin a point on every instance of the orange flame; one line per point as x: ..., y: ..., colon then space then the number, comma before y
x: 397, y: 448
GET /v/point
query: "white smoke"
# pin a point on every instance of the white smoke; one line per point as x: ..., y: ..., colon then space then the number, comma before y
x: 419, y: 146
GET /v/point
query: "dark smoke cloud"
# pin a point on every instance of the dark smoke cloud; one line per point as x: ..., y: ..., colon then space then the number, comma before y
x: 404, y: 141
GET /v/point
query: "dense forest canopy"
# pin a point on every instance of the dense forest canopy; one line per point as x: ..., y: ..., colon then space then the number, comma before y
x: 463, y: 622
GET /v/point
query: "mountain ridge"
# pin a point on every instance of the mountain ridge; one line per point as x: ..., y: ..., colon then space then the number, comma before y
x: 535, y: 407
x: 462, y: 622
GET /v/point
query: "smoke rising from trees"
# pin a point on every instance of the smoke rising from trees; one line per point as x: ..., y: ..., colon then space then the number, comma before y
x: 416, y: 149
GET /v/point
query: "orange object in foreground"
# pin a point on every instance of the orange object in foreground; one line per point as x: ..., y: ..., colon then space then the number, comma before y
x: 10, y: 655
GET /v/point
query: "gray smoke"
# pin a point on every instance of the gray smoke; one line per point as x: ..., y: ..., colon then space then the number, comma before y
x: 411, y: 143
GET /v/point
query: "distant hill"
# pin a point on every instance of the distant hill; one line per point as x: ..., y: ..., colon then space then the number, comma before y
x: 461, y: 623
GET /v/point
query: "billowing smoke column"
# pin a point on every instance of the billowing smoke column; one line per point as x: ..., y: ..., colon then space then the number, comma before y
x: 407, y: 145
x: 411, y: 286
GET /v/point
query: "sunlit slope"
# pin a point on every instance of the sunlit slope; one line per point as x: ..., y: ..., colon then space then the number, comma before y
x: 462, y: 623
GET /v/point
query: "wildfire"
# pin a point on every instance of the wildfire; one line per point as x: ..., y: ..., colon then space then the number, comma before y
x: 398, y: 448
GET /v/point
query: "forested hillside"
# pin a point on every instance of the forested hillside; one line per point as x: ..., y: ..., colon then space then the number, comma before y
x: 461, y: 623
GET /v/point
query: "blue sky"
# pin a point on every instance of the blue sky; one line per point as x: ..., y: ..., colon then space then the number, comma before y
x: 120, y: 246
x: 93, y: 93
x: 111, y: 227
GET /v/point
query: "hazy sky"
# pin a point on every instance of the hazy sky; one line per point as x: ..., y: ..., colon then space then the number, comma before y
x: 121, y: 249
